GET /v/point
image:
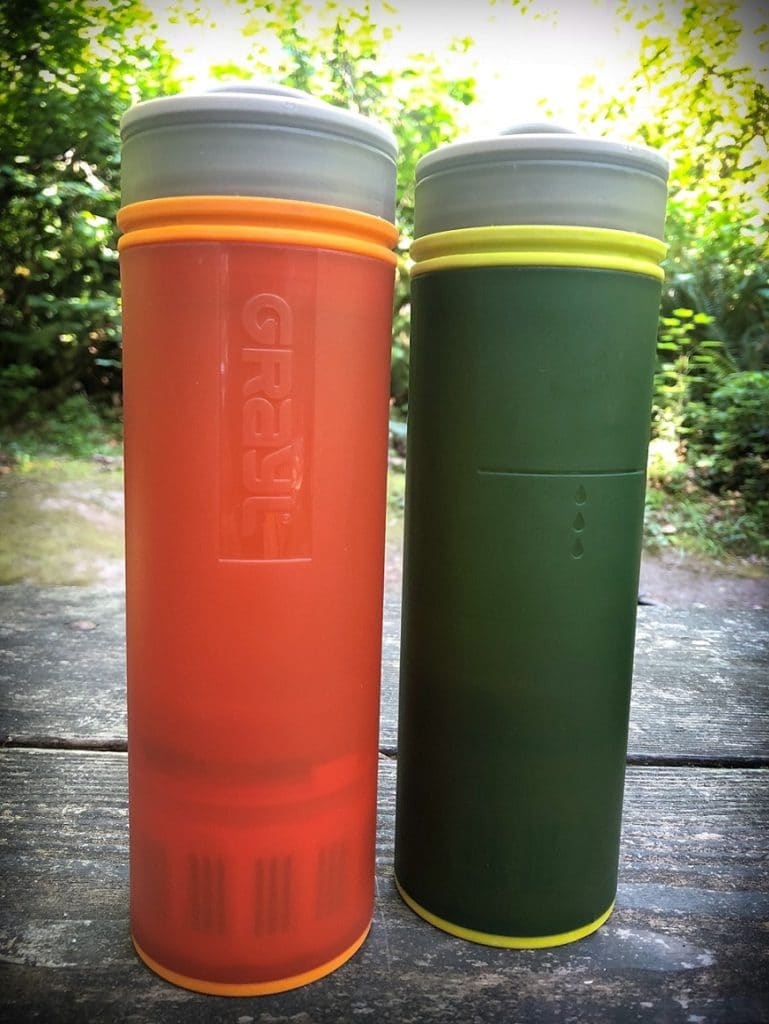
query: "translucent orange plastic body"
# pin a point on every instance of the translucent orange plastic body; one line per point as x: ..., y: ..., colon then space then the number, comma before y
x: 256, y: 398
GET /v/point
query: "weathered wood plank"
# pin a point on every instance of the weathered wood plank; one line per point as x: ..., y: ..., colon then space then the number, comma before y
x: 701, y: 679
x: 701, y: 682
x: 687, y: 943
x: 62, y: 664
x: 700, y: 685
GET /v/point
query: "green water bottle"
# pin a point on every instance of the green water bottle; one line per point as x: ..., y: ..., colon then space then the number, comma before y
x: 535, y: 296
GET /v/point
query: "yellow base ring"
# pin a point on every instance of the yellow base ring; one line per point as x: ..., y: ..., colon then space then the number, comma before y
x: 504, y: 941
x: 256, y: 988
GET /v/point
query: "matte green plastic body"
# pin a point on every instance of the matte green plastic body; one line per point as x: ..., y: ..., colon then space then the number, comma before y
x: 529, y: 410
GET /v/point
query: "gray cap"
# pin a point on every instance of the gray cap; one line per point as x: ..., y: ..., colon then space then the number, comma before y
x: 257, y: 140
x: 541, y: 174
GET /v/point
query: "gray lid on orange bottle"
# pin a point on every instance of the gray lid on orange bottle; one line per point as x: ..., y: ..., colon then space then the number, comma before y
x: 541, y: 174
x: 251, y: 139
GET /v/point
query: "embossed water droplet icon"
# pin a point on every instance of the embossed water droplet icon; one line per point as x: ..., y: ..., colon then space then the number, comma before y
x: 579, y: 522
x: 577, y: 550
x: 581, y: 496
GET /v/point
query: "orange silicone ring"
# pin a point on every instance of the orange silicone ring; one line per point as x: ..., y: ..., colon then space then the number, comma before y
x: 256, y: 219
x: 257, y: 988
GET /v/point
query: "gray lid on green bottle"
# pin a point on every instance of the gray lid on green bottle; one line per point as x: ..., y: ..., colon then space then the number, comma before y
x: 257, y: 140
x: 541, y: 174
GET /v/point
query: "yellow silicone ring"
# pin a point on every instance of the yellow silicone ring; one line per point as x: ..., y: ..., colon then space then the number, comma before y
x: 256, y: 219
x: 539, y: 245
x: 504, y: 941
x: 256, y: 988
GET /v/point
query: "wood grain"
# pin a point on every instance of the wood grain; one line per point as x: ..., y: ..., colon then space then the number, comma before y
x: 62, y: 664
x: 701, y: 687
x: 689, y: 941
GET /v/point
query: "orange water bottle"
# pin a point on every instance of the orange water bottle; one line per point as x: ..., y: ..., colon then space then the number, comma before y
x: 257, y: 279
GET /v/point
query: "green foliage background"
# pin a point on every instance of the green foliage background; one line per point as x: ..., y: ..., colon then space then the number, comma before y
x: 694, y: 96
x: 69, y: 68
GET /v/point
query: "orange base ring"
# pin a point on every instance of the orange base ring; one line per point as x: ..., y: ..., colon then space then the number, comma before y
x: 256, y: 988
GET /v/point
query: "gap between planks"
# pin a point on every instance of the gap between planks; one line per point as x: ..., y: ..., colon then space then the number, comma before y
x: 390, y: 752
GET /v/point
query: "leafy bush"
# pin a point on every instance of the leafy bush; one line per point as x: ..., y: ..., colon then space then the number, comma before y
x: 729, y: 443
x: 689, y: 365
x: 76, y: 428
x: 67, y: 72
x: 18, y: 385
x: 696, y: 96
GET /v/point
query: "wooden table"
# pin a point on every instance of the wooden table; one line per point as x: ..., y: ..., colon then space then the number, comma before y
x: 689, y: 940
